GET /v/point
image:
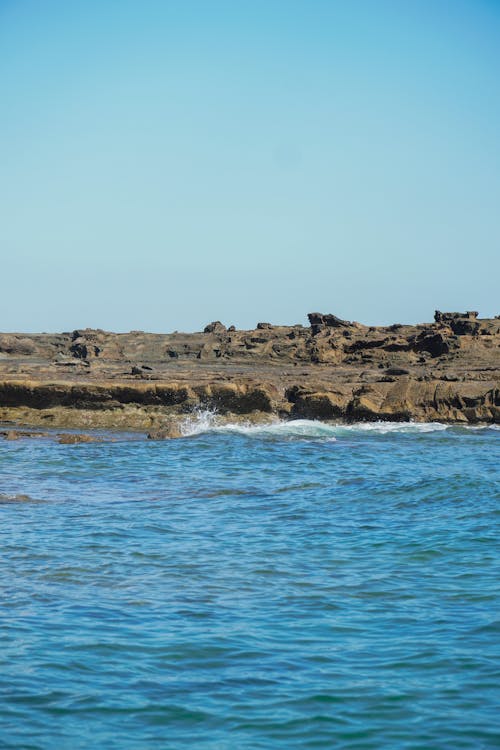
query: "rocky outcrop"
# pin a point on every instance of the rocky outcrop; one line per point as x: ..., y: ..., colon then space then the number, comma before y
x: 333, y: 369
x: 215, y: 327
x: 319, y: 322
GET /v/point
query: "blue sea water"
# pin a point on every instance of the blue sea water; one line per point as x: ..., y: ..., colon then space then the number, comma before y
x: 291, y: 586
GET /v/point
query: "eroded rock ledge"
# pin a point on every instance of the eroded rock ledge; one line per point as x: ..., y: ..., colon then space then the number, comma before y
x: 448, y: 370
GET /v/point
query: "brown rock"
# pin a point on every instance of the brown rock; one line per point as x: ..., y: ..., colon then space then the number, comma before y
x: 165, y: 432
x: 72, y: 439
x: 320, y: 405
x: 448, y: 370
x: 215, y: 327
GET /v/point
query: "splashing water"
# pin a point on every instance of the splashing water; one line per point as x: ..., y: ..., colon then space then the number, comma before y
x: 202, y: 421
x: 199, y: 421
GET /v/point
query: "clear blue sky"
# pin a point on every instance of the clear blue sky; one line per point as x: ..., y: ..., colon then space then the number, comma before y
x: 164, y: 163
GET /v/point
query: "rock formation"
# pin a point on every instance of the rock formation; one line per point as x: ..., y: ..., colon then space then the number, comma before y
x: 448, y: 370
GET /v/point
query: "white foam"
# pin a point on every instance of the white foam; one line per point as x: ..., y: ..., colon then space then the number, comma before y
x: 481, y: 426
x: 203, y: 421
x: 383, y: 428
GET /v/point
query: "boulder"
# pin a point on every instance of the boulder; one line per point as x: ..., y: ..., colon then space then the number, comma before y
x: 167, y: 431
x: 318, y: 321
x: 215, y: 327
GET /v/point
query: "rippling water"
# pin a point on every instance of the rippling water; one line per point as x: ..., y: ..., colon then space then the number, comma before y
x: 290, y: 586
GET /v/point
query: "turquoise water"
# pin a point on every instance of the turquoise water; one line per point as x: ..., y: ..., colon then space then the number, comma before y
x: 295, y: 586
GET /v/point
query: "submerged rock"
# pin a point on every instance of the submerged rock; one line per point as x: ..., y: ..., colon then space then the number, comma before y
x: 72, y: 439
x: 17, y: 434
x: 15, y: 498
x: 168, y: 431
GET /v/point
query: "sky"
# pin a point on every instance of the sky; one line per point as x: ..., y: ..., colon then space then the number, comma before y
x: 166, y: 163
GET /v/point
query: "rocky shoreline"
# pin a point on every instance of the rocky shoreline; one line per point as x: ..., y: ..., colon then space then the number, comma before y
x: 447, y: 370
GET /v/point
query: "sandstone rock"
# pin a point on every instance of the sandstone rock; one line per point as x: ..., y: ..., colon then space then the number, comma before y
x: 367, y: 403
x: 73, y: 439
x: 17, y: 434
x: 215, y: 327
x: 327, y: 405
x: 17, y: 345
x: 166, y: 432
x: 93, y: 378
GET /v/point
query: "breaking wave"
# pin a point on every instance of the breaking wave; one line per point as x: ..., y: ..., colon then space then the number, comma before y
x: 207, y: 421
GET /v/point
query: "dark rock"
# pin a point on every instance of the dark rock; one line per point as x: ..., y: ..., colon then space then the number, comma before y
x: 397, y: 371
x: 447, y: 317
x: 366, y: 344
x: 319, y: 321
x: 434, y: 343
x: 83, y: 349
x: 465, y: 326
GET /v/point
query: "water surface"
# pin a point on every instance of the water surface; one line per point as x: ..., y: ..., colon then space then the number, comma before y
x: 290, y: 586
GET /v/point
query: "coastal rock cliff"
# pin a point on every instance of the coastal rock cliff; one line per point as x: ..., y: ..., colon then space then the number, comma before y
x: 447, y: 370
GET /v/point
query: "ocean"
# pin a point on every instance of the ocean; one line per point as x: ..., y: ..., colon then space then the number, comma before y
x: 293, y: 585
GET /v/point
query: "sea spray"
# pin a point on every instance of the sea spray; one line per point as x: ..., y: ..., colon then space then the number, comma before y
x: 201, y: 421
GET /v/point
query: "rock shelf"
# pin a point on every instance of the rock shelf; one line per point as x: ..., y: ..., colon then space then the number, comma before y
x: 333, y: 369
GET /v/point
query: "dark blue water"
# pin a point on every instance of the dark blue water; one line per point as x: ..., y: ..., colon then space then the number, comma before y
x: 252, y: 589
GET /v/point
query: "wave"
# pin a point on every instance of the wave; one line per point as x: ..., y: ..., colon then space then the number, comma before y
x: 206, y: 421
